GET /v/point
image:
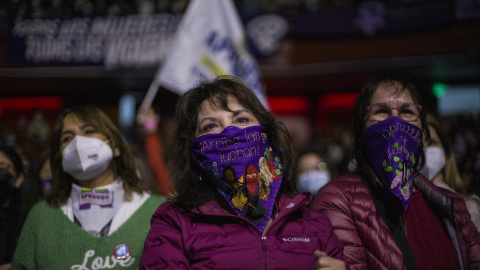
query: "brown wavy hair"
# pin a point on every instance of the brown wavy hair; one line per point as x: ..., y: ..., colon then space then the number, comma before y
x: 123, y: 166
x: 360, y: 117
x: 190, y: 183
x: 451, y: 175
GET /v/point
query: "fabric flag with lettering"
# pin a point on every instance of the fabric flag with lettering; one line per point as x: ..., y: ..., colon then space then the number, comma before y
x: 210, y: 41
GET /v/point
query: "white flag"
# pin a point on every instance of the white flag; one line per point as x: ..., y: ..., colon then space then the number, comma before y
x: 210, y: 41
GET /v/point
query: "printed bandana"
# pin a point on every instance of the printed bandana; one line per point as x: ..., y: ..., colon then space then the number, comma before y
x: 245, y: 170
x: 392, y: 149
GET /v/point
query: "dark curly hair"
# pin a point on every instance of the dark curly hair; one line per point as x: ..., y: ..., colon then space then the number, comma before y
x: 191, y: 184
x: 401, y: 83
x: 123, y: 166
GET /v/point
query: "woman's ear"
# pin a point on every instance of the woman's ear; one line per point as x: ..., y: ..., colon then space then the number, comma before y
x: 116, y: 152
x: 19, y: 181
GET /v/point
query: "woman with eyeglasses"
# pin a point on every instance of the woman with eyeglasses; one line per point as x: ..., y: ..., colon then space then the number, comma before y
x: 387, y: 215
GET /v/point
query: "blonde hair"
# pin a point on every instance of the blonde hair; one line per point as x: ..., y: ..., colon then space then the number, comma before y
x: 265, y: 173
x: 451, y: 176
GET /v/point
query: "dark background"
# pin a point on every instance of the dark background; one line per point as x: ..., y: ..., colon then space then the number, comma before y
x: 320, y: 55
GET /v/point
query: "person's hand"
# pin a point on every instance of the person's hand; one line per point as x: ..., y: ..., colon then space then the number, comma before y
x: 148, y: 119
x: 5, y: 266
x: 323, y: 261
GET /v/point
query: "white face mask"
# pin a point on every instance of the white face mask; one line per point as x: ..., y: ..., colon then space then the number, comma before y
x: 434, y: 162
x: 86, y: 158
x: 312, y: 181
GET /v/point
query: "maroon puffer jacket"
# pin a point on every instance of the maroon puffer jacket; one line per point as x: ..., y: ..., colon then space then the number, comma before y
x: 367, y: 241
x: 216, y: 239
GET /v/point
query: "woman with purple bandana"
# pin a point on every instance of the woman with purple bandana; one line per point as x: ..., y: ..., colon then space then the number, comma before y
x: 387, y: 215
x: 249, y: 220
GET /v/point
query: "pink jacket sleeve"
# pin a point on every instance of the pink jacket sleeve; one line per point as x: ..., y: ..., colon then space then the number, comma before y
x: 334, y: 202
x: 163, y: 247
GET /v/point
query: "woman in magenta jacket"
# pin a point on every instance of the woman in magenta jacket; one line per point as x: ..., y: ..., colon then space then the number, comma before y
x: 235, y: 204
x: 387, y: 215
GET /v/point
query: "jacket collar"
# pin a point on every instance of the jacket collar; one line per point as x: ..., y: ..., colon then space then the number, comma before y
x: 440, y: 203
x: 372, y: 178
x: 213, y: 208
x: 286, y: 202
x: 283, y: 204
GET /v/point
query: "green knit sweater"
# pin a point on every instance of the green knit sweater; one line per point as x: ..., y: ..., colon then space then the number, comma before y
x: 49, y: 240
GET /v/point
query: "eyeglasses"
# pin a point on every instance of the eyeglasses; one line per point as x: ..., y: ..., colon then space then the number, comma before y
x: 408, y: 112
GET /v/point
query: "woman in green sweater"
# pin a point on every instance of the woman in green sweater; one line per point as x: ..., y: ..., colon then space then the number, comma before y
x: 97, y: 213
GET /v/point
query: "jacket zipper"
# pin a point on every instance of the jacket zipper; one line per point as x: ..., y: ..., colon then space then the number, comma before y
x: 264, y: 252
x: 264, y: 237
x: 276, y: 221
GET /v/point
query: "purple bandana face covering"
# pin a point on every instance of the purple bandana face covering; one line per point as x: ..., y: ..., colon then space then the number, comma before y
x: 245, y: 170
x: 392, y: 150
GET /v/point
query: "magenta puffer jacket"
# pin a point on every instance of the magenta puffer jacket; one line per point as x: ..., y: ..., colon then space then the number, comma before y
x: 213, y: 238
x: 367, y: 240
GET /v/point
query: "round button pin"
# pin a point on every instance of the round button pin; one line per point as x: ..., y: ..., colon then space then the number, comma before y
x: 121, y: 251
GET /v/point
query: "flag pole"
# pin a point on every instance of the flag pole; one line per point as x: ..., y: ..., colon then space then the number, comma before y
x: 197, y: 49
x: 148, y: 100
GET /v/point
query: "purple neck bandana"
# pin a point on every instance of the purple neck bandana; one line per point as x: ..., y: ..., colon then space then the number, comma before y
x: 244, y: 169
x: 392, y: 151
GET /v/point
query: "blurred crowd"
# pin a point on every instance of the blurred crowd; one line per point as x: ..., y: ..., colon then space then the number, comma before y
x: 26, y: 173
x: 333, y: 151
